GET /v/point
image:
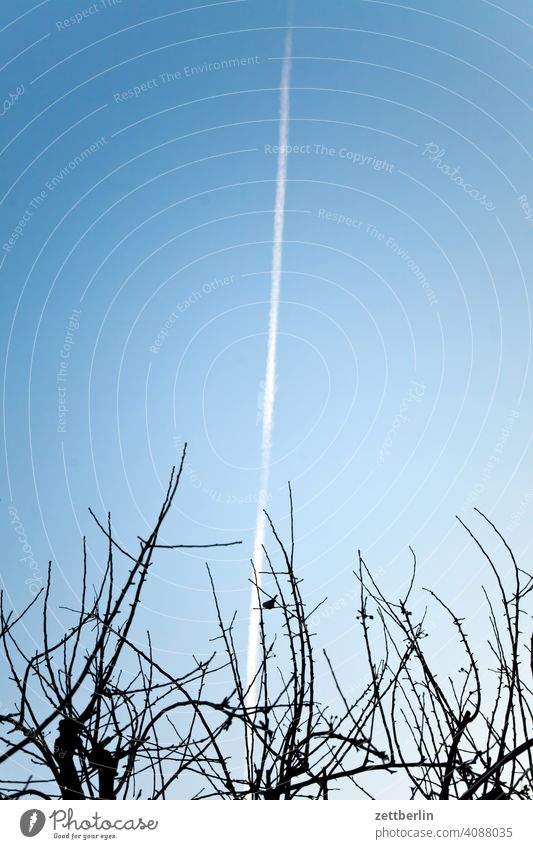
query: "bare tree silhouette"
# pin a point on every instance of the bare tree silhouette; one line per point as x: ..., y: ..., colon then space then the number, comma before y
x: 108, y: 743
x: 471, y: 730
x: 293, y: 746
x: 90, y: 729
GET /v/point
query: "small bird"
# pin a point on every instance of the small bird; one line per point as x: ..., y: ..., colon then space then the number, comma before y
x: 270, y: 603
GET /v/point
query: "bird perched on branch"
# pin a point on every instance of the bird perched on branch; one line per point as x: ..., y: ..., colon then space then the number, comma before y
x: 270, y: 603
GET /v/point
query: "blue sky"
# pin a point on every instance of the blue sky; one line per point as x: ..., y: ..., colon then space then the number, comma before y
x: 137, y: 189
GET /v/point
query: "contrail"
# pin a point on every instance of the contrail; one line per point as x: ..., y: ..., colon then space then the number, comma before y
x: 270, y: 376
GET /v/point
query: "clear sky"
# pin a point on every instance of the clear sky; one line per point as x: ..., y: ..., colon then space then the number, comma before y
x: 137, y: 188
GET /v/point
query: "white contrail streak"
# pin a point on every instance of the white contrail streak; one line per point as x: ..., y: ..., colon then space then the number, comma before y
x: 270, y: 376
